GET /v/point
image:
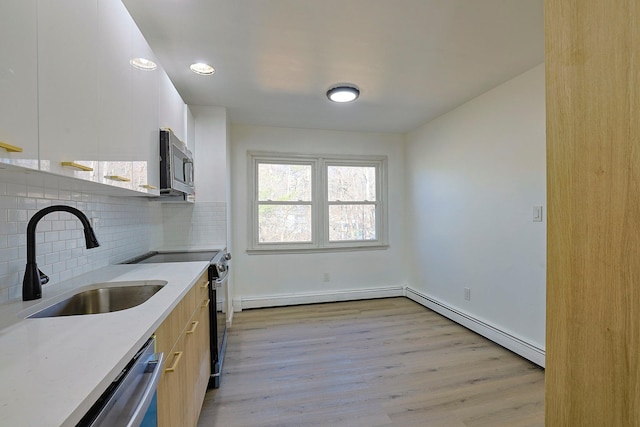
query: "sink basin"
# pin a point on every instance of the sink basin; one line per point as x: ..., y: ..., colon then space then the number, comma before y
x: 103, y: 298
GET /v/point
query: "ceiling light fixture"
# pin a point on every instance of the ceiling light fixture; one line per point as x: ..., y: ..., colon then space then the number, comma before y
x: 143, y: 64
x: 202, y: 69
x: 343, y: 93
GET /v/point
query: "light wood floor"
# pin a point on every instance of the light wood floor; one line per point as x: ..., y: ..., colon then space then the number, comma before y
x: 387, y: 362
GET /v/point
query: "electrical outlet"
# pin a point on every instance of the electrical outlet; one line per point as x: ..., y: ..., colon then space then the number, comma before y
x: 467, y: 294
x: 94, y: 223
x: 326, y: 277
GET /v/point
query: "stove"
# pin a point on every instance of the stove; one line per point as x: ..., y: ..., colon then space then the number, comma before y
x: 156, y: 257
x: 218, y: 283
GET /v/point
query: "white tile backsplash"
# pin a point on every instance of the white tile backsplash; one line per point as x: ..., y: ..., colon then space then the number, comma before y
x: 197, y: 225
x: 126, y: 227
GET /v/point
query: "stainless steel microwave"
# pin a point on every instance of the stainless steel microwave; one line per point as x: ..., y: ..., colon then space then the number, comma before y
x: 176, y: 166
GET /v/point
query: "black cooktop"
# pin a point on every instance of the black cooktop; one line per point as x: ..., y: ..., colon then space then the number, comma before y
x: 159, y: 257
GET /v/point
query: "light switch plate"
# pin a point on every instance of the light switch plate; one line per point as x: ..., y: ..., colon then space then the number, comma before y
x: 537, y: 214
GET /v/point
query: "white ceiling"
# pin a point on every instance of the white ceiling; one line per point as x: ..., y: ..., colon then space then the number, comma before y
x: 412, y: 59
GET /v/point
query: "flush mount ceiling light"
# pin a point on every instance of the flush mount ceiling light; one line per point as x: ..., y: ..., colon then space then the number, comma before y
x: 143, y: 64
x: 343, y: 93
x: 202, y: 69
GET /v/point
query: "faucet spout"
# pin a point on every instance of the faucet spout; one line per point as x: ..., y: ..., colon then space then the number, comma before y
x: 33, y: 277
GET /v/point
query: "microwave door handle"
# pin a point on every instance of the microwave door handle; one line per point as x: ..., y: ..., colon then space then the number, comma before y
x: 186, y: 162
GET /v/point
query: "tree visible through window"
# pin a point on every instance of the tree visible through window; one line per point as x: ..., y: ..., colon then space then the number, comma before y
x: 315, y: 203
x: 352, y: 203
x: 285, y: 202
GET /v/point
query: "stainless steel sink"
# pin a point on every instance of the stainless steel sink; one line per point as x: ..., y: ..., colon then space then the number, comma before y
x: 103, y: 298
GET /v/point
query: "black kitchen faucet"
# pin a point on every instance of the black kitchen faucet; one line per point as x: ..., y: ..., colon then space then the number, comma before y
x: 33, y: 277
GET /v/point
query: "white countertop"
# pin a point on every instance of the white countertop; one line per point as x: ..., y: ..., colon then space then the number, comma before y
x: 193, y: 248
x: 52, y: 370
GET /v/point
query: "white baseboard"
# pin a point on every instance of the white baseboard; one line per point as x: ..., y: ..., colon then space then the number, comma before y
x: 508, y: 341
x: 316, y: 297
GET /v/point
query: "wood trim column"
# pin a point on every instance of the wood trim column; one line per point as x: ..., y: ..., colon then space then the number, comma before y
x: 592, y: 57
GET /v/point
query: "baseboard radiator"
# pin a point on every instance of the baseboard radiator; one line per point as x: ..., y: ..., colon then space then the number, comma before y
x: 506, y: 340
x: 502, y: 338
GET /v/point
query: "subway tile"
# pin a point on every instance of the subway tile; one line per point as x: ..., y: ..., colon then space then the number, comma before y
x: 8, y: 227
x: 16, y: 189
x: 17, y: 215
x: 8, y: 202
x: 57, y: 225
x: 13, y: 240
x: 51, y: 236
x: 127, y: 228
x: 26, y: 203
x: 9, y: 254
x: 51, y: 258
x: 43, y: 248
x: 4, y: 269
x: 57, y: 267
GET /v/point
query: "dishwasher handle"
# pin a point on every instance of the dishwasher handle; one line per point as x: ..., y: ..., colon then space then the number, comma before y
x: 155, y: 368
x: 127, y: 400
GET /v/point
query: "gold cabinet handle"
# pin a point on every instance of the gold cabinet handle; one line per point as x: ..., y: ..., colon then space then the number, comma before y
x: 206, y: 303
x: 118, y: 178
x: 10, y: 148
x: 176, y: 359
x: 194, y: 326
x: 204, y: 285
x: 149, y: 187
x: 77, y: 166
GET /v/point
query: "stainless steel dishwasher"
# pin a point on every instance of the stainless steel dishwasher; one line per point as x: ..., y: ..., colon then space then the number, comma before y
x: 130, y: 399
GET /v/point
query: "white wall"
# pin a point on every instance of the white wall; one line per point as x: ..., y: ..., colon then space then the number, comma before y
x: 274, y: 279
x: 202, y: 224
x: 211, y: 147
x: 473, y: 177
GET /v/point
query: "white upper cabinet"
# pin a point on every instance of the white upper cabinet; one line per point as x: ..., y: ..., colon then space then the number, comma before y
x: 115, y: 86
x: 18, y: 83
x: 68, y: 87
x: 172, y: 108
x: 145, y: 102
x: 190, y: 139
x: 73, y: 103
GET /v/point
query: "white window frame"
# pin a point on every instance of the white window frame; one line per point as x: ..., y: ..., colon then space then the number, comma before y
x: 320, y: 204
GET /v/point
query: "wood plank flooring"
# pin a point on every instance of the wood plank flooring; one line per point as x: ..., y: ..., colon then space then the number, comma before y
x: 386, y: 362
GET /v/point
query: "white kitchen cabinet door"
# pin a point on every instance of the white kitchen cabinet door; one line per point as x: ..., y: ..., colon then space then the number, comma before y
x: 68, y: 87
x: 172, y: 108
x: 18, y: 83
x: 115, y: 110
x: 146, y: 135
x: 190, y: 139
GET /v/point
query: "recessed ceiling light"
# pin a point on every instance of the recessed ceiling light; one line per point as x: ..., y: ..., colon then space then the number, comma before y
x: 202, y: 69
x: 143, y: 64
x: 343, y: 93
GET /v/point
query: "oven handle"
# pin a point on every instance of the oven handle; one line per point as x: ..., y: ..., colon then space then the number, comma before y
x: 220, y: 280
x: 153, y: 366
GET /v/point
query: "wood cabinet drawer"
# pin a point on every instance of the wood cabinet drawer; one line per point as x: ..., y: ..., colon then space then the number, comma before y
x: 184, y: 339
x: 203, y: 285
x: 173, y: 386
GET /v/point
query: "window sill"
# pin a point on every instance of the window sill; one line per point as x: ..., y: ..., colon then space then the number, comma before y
x: 274, y: 251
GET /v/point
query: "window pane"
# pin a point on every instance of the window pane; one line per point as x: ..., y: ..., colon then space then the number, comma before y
x: 352, y: 222
x: 351, y: 183
x: 284, y: 223
x: 281, y: 182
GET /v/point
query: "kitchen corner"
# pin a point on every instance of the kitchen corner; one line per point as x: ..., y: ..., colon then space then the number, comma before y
x: 56, y: 368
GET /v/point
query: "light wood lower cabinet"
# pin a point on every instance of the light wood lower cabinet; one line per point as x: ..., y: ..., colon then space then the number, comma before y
x: 184, y: 339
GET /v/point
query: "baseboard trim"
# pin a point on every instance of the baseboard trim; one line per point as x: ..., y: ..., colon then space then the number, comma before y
x: 506, y: 340
x: 242, y: 303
